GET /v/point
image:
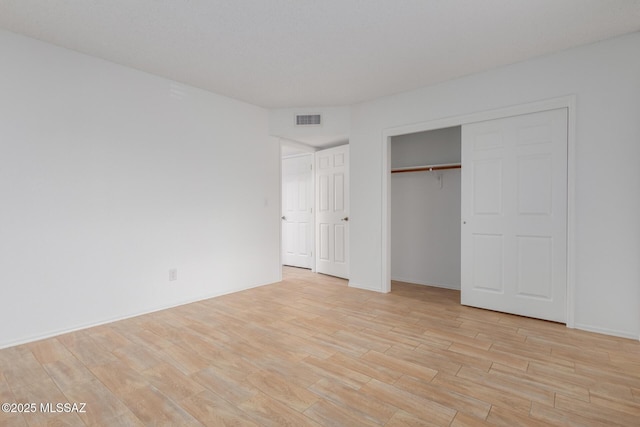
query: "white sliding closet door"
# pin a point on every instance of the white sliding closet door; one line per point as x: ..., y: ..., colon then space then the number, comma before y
x: 332, y: 211
x: 514, y: 215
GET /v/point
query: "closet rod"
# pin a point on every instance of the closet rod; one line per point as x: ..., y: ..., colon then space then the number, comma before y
x: 427, y: 168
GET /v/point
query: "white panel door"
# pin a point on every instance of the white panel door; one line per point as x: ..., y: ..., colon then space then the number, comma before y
x: 332, y: 211
x: 297, y: 211
x: 514, y: 215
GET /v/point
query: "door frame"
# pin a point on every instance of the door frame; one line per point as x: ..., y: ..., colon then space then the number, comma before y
x: 568, y: 102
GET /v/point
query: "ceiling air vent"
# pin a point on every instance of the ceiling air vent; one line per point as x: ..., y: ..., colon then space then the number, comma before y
x: 308, y: 119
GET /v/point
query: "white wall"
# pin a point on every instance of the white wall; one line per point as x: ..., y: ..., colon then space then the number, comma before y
x: 110, y: 177
x: 426, y: 148
x: 605, y: 77
x: 333, y: 131
x: 293, y: 148
x: 425, y: 216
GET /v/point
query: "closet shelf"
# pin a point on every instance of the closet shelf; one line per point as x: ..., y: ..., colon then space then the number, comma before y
x: 428, y: 168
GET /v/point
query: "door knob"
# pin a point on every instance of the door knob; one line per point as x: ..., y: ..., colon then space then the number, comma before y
x: 346, y: 218
x: 284, y: 218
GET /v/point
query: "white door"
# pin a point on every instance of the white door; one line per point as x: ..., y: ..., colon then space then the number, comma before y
x: 514, y: 215
x: 332, y: 211
x: 297, y: 211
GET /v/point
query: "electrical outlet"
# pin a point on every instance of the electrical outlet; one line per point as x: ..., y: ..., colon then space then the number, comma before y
x: 173, y: 274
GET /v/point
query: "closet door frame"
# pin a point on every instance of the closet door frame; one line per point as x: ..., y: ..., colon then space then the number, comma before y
x: 568, y: 102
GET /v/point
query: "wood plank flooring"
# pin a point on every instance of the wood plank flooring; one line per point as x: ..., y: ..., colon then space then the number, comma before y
x: 309, y: 351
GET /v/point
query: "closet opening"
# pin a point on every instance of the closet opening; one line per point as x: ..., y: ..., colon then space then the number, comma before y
x: 425, y: 196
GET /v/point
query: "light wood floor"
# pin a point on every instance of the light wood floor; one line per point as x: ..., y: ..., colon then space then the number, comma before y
x: 311, y: 351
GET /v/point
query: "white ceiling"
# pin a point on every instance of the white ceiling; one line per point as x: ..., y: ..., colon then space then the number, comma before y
x: 293, y: 53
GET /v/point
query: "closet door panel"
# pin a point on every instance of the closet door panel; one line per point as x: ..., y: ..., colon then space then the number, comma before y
x: 514, y: 191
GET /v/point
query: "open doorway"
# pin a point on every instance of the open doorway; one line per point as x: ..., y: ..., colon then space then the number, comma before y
x: 315, y: 208
x: 297, y: 211
x: 297, y: 205
x: 425, y: 208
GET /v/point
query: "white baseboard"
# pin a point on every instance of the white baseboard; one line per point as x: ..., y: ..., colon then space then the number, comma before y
x: 55, y: 333
x: 366, y: 288
x: 606, y: 331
